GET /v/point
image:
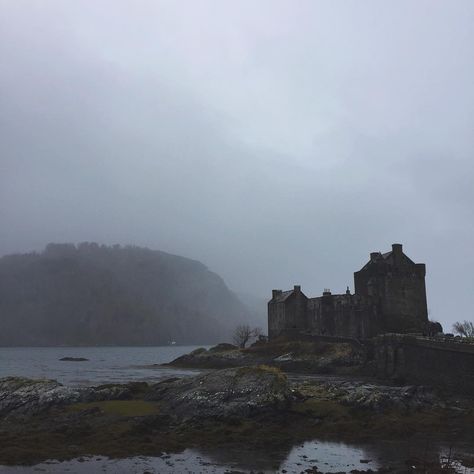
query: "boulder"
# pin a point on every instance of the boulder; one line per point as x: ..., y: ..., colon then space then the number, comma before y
x: 19, y: 395
x: 23, y: 396
x: 373, y: 397
x: 240, y: 392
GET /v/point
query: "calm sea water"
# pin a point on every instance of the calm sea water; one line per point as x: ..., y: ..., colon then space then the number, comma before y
x: 104, y: 364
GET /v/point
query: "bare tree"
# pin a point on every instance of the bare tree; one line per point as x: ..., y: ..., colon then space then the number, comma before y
x: 464, y: 329
x: 243, y: 333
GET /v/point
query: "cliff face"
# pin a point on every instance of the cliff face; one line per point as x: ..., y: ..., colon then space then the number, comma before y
x: 93, y: 294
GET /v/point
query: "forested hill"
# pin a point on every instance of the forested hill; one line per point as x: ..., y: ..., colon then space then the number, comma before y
x: 90, y: 294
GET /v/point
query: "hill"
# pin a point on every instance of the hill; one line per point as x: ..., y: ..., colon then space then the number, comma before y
x: 90, y: 294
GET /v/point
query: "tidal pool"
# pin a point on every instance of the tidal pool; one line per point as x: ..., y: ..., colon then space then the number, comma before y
x: 328, y: 457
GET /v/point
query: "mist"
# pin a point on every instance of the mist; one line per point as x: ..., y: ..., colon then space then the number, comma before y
x: 277, y: 142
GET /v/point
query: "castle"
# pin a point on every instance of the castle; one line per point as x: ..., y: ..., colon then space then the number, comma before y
x: 389, y: 296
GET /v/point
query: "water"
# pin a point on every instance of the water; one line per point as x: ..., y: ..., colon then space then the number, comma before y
x: 334, y: 457
x: 104, y: 364
x: 328, y: 457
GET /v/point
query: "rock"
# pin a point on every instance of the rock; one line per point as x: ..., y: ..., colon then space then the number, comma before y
x: 296, y: 356
x: 74, y: 359
x: 20, y: 395
x: 224, y: 393
x: 218, y: 357
x: 380, y: 398
x: 284, y: 358
x: 377, y: 398
x: 23, y: 396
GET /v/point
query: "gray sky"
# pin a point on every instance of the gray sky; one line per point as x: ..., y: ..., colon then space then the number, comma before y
x: 277, y: 142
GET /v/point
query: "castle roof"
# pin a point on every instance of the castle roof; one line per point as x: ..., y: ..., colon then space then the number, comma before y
x: 387, y: 257
x: 283, y: 296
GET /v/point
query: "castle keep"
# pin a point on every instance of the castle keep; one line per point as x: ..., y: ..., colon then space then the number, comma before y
x: 389, y: 296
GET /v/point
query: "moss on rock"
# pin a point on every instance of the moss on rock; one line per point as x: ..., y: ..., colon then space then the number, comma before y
x: 120, y: 407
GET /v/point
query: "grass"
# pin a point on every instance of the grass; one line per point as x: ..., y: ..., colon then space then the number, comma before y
x: 261, y: 370
x: 127, y: 408
x: 322, y: 409
x: 199, y: 350
x: 300, y: 348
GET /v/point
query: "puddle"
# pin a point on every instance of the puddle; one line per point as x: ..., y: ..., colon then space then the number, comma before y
x: 328, y: 457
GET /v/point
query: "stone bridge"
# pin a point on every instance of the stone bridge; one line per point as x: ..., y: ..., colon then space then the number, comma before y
x: 429, y: 361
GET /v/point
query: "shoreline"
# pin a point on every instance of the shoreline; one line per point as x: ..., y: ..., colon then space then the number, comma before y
x: 247, y: 409
x: 250, y: 407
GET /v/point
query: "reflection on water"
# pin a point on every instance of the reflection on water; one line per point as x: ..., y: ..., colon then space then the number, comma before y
x: 328, y: 457
x: 104, y: 364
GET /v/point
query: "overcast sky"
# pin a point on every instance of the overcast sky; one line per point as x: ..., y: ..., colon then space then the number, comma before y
x: 277, y: 142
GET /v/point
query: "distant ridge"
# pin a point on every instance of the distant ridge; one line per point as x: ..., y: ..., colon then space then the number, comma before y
x: 93, y: 294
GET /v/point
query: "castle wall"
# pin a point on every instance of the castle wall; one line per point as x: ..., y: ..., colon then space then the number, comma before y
x: 298, y: 307
x: 398, y: 285
x: 342, y: 315
x: 288, y: 314
x: 404, y: 304
x: 276, y: 319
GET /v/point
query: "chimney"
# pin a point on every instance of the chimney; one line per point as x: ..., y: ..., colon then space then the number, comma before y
x: 420, y: 269
x: 275, y: 293
x: 397, y: 249
x: 297, y: 288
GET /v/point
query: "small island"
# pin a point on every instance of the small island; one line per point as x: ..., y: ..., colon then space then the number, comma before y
x: 73, y: 359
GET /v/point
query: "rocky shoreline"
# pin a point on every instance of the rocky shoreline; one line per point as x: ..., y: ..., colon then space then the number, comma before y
x: 262, y: 399
x: 250, y: 408
x: 315, y: 357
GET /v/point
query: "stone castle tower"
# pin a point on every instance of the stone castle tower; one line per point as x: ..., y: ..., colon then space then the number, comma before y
x: 389, y: 296
x: 397, y: 285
